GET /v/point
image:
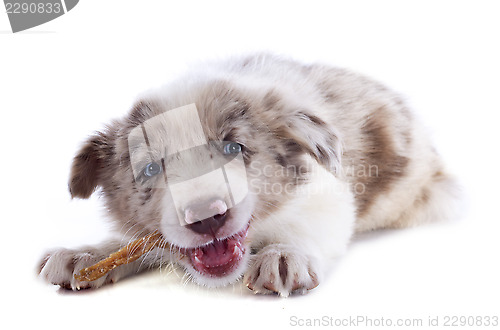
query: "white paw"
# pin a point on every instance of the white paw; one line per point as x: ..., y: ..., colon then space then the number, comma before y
x: 60, y: 266
x: 283, y: 270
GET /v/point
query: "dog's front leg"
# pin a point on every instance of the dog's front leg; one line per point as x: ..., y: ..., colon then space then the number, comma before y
x: 295, y: 243
x: 60, y: 266
x: 283, y: 269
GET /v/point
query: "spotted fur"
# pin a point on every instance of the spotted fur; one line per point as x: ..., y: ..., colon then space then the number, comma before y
x: 327, y: 152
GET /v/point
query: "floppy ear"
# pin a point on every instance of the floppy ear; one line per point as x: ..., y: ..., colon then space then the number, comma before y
x: 88, y: 165
x: 315, y: 136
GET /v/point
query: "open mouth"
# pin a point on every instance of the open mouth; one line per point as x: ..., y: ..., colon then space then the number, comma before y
x: 219, y: 257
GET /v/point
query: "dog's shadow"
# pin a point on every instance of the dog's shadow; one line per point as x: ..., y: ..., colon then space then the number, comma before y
x: 371, y: 236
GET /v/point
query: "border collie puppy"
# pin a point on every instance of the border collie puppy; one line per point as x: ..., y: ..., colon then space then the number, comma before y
x: 259, y: 168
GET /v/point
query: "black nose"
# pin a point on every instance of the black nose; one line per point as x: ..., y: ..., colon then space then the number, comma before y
x: 209, y: 225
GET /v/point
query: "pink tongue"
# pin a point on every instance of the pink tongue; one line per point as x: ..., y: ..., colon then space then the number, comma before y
x: 215, y: 254
x: 220, y: 257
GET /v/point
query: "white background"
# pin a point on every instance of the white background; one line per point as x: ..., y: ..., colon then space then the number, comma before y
x: 63, y: 80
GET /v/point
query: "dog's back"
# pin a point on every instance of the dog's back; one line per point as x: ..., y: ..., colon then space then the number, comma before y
x: 396, y: 175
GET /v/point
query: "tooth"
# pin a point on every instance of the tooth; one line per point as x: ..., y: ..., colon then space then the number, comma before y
x: 198, y: 252
x: 197, y: 259
x: 237, y: 250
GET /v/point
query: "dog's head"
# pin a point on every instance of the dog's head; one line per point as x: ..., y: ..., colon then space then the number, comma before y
x: 203, y: 168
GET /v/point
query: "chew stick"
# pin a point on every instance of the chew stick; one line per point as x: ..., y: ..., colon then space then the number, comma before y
x: 126, y: 255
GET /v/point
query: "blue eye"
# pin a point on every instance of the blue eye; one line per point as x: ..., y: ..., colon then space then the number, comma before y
x: 232, y: 148
x: 152, y: 169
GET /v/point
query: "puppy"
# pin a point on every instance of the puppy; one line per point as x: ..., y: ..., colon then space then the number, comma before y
x: 258, y: 168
